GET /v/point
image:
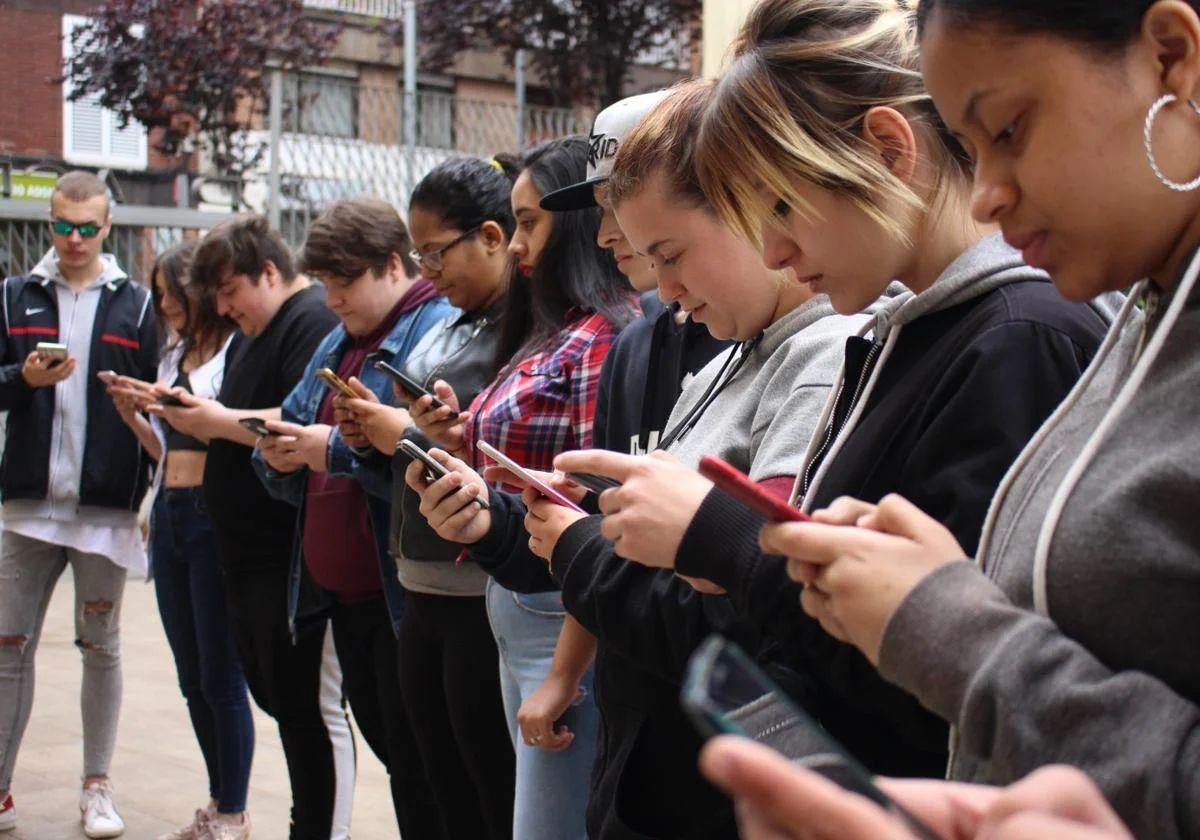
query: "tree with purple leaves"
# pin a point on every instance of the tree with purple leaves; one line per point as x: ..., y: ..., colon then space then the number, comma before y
x: 192, y: 70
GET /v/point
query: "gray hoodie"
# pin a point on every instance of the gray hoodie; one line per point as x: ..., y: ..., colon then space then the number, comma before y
x: 785, y: 376
x: 1075, y: 639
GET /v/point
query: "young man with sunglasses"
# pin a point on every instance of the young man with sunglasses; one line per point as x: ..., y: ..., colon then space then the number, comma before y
x: 73, y: 476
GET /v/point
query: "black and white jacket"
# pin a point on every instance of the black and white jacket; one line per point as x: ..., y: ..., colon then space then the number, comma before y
x: 115, y: 470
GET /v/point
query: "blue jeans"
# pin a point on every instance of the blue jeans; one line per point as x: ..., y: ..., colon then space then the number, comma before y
x: 552, y: 788
x: 191, y: 602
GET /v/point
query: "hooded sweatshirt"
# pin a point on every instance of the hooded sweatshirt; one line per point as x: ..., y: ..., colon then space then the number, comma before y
x: 745, y: 406
x: 935, y: 406
x: 1075, y: 637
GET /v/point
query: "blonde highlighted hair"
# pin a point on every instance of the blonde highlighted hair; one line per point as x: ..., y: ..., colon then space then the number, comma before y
x: 790, y: 110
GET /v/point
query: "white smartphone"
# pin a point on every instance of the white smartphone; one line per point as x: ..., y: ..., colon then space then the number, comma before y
x: 57, y: 353
x: 526, y: 476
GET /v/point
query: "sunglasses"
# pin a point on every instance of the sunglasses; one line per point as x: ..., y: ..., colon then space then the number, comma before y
x: 86, y: 229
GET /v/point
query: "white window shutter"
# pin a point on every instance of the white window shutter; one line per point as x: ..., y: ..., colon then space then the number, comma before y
x: 92, y: 134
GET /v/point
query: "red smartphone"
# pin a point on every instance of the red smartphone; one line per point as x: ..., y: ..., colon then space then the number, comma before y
x: 737, y: 484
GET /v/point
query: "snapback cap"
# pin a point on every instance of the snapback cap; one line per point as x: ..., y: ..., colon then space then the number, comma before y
x: 609, y: 130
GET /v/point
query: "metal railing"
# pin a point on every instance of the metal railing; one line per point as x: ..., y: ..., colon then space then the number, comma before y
x: 138, y: 235
x: 341, y: 138
x: 387, y: 9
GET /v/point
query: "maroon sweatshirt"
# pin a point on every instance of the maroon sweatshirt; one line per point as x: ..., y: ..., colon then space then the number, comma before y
x: 339, y: 542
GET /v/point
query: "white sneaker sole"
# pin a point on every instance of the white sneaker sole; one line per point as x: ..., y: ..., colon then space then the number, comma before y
x: 98, y: 833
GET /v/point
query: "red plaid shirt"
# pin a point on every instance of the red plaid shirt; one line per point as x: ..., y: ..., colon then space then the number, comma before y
x: 544, y: 404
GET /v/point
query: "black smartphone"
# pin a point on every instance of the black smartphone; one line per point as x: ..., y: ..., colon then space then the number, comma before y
x: 433, y: 469
x: 725, y: 693
x: 169, y: 400
x: 256, y: 425
x: 411, y: 386
x: 595, y: 483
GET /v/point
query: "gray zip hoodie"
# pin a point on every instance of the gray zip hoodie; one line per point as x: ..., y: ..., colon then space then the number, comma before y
x: 784, y: 376
x: 1075, y: 638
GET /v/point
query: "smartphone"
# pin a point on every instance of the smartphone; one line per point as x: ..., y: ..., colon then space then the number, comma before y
x: 410, y: 386
x: 595, y: 483
x: 530, y: 479
x: 108, y: 377
x: 169, y: 400
x: 726, y: 693
x: 433, y: 469
x: 57, y: 353
x: 335, y: 383
x: 254, y: 424
x: 737, y: 484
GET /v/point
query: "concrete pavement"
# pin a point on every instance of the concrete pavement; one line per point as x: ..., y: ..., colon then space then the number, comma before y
x: 157, y: 771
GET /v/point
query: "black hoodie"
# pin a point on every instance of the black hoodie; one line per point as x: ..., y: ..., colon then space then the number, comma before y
x: 645, y: 783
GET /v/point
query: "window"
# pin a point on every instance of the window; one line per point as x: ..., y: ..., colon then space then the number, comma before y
x: 92, y: 135
x: 319, y: 104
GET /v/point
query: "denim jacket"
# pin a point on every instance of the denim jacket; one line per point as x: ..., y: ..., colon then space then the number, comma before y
x: 301, y: 406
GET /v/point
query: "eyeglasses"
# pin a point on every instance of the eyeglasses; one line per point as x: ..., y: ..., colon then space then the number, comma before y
x: 87, y: 230
x: 433, y: 260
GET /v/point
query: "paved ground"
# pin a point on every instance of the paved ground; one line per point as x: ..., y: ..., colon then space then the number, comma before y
x: 158, y: 772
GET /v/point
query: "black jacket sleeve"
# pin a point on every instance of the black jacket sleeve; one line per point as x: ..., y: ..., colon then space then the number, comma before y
x: 504, y: 551
x: 14, y: 390
x: 721, y: 545
x: 648, y: 616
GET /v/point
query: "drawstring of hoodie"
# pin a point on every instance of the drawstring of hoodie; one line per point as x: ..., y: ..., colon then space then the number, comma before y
x: 734, y: 362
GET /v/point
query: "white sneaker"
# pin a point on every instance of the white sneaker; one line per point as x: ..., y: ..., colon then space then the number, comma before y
x: 8, y: 814
x: 218, y: 829
x: 98, y: 813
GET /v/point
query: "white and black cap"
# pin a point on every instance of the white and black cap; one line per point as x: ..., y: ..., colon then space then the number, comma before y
x: 609, y: 130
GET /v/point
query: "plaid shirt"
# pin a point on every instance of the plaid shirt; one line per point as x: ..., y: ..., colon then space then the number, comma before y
x: 544, y: 404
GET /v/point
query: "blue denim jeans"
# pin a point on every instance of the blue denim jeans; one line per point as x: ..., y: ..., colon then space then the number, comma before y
x: 552, y: 788
x: 191, y: 602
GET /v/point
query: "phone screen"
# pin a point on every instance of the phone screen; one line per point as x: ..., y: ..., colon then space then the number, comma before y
x: 523, y: 474
x: 725, y: 692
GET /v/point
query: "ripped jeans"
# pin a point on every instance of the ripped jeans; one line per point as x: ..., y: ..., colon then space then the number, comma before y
x: 29, y: 570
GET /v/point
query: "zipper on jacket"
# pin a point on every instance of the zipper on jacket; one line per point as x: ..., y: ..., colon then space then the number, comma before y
x: 831, y: 433
x: 431, y: 376
x: 56, y: 460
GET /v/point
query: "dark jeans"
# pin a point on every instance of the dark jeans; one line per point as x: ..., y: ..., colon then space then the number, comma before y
x: 191, y: 602
x: 451, y: 687
x: 300, y: 686
x: 367, y: 649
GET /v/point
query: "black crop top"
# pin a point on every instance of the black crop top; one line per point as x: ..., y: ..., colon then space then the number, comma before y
x: 178, y: 440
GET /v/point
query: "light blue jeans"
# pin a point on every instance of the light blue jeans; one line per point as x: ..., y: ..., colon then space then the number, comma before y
x: 552, y: 788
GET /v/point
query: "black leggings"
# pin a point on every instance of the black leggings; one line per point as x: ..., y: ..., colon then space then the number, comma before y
x: 367, y: 648
x: 297, y: 684
x: 450, y: 678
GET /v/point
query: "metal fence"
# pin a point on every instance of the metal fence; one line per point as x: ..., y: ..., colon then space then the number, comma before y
x: 338, y: 138
x: 341, y: 137
x: 138, y: 235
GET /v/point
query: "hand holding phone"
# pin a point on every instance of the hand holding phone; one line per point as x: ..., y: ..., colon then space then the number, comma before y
x: 725, y: 692
x: 335, y: 383
x: 410, y: 386
x: 739, y: 485
x: 434, y: 469
x: 529, y: 478
x: 593, y: 482
x: 257, y: 425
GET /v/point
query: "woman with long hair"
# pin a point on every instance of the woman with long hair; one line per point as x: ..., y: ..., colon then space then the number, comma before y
x: 183, y: 554
x: 564, y: 306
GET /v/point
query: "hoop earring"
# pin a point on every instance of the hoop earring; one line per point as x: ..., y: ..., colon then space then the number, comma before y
x: 1164, y: 100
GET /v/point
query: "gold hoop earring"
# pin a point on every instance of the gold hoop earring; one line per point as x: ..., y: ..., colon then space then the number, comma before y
x: 1163, y: 101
